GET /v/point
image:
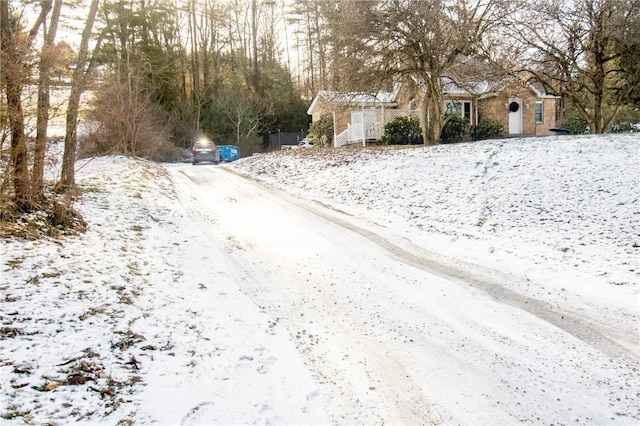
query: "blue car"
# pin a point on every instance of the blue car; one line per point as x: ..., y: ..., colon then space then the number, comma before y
x: 229, y: 152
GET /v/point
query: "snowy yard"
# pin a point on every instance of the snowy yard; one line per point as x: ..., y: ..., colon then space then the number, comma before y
x: 484, y: 283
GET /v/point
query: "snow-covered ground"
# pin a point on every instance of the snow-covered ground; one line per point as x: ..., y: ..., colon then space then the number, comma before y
x: 166, y: 312
x: 573, y: 202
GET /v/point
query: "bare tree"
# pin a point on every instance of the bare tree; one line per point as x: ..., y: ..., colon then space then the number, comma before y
x: 242, y: 110
x: 14, y: 50
x: 574, y: 51
x: 421, y: 38
x: 67, y: 176
x: 126, y: 119
x: 46, y: 64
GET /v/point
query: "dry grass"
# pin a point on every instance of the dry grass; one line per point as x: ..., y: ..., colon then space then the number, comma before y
x: 51, y: 218
x: 48, y: 215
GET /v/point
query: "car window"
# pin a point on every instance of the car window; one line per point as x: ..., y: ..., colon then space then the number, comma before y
x: 204, y: 144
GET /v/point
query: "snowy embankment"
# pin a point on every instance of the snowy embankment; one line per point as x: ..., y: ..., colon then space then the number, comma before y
x: 138, y: 319
x: 141, y: 320
x: 568, y: 203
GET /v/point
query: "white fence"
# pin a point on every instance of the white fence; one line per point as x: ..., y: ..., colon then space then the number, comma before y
x: 368, y: 125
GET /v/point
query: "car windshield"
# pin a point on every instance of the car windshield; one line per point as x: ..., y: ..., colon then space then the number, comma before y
x: 203, y: 143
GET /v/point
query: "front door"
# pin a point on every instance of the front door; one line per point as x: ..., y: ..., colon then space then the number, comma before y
x: 515, y: 116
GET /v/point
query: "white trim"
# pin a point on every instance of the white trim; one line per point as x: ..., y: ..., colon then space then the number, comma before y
x: 360, y: 99
x: 534, y: 90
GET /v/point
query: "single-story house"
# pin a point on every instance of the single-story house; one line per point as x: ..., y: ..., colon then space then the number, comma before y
x: 354, y: 113
x: 523, y: 108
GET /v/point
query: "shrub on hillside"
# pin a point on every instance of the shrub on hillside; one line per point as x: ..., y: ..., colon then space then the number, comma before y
x: 576, y: 125
x: 321, y: 131
x: 402, y: 131
x: 486, y: 129
x: 455, y: 127
x: 627, y: 120
x: 624, y: 128
x: 128, y: 122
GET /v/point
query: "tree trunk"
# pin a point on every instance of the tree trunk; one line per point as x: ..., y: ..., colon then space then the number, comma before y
x: 322, y: 63
x: 13, y: 75
x: 67, y: 176
x: 432, y: 112
x: 311, y: 73
x: 37, y: 183
x: 255, y: 78
x: 436, y: 121
x: 195, y: 65
x: 206, y: 32
x: 597, y: 120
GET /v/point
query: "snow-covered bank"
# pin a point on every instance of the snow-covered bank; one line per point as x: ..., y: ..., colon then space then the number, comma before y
x: 573, y: 202
x: 138, y: 320
x: 145, y: 319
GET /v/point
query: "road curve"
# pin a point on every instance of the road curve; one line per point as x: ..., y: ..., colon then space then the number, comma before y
x: 394, y: 333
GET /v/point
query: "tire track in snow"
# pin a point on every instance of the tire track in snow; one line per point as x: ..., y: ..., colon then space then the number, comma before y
x: 494, y: 283
x: 476, y: 343
x: 369, y: 383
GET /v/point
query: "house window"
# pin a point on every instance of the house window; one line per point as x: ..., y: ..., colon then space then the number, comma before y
x: 463, y: 108
x: 539, y: 112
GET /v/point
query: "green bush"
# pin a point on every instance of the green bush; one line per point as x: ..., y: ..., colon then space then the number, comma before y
x: 627, y: 120
x: 321, y: 131
x: 624, y: 128
x: 455, y: 126
x: 486, y: 129
x: 576, y: 125
x: 402, y: 131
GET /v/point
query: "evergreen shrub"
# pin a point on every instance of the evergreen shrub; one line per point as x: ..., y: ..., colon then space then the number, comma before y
x: 455, y: 127
x: 321, y: 131
x: 402, y: 131
x: 486, y: 129
x: 576, y: 125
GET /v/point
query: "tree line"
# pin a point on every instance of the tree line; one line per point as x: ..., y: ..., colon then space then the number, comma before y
x: 162, y: 71
x: 586, y: 51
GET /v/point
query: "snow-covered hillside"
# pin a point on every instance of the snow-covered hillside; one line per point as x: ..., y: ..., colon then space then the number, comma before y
x: 573, y: 202
x: 145, y: 318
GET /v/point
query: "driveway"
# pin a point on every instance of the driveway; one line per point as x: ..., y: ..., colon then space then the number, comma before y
x: 395, y: 333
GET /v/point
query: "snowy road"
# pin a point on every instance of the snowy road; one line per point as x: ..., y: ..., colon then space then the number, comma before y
x: 393, y: 333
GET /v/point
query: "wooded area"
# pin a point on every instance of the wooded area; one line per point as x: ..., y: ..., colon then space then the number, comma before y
x: 162, y: 71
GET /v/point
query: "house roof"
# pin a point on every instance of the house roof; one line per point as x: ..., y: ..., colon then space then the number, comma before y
x: 470, y: 88
x: 475, y: 87
x: 484, y: 88
x: 380, y: 98
x: 540, y: 90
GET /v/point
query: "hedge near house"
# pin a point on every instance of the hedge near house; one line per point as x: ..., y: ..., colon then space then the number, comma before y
x: 487, y: 129
x: 321, y: 131
x: 402, y: 131
x: 455, y: 127
x: 576, y: 125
